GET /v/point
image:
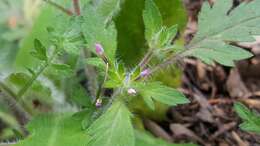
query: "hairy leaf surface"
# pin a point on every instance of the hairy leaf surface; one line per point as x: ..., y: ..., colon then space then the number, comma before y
x: 152, y: 20
x: 113, y: 128
x: 217, y: 29
x: 96, y: 31
x: 55, y: 130
x: 161, y: 93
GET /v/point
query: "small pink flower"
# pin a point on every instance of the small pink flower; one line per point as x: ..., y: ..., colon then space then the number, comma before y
x: 99, y: 49
x: 131, y: 91
x: 98, y: 103
x: 145, y: 73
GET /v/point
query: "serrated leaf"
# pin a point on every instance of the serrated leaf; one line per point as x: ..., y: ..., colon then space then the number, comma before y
x: 72, y: 38
x: 216, y: 29
x: 38, y: 90
x: 161, y: 93
x: 39, y: 51
x: 80, y: 96
x: 109, y: 8
x: 152, y: 20
x: 96, y: 31
x: 220, y: 52
x: 55, y: 130
x: 113, y: 128
x: 166, y: 36
x: 251, y: 120
x: 146, y: 139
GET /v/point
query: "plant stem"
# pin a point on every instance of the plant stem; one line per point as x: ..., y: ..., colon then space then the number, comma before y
x: 13, y: 97
x: 146, y: 59
x: 67, y: 11
x: 76, y: 7
x: 38, y: 73
x: 101, y: 85
x: 8, y: 97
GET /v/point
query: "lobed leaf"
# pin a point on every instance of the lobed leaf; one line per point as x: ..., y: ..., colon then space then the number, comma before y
x: 217, y: 29
x: 161, y: 93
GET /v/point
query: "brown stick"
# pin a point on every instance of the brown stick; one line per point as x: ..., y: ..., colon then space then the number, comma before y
x: 157, y: 130
x: 68, y: 12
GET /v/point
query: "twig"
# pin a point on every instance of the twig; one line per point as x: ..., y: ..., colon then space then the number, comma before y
x: 157, y: 130
x: 67, y: 11
x: 76, y: 7
x: 223, y: 129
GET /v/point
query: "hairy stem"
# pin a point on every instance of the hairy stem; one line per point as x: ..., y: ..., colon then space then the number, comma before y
x: 102, y: 84
x: 13, y: 97
x: 146, y: 59
x: 76, y: 7
x: 67, y: 11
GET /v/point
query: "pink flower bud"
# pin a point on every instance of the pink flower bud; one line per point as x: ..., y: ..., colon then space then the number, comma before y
x: 98, y: 103
x: 99, y: 49
x: 145, y: 73
x: 131, y: 91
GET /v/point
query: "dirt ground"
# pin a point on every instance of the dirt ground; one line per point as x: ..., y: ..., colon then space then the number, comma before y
x: 210, y: 120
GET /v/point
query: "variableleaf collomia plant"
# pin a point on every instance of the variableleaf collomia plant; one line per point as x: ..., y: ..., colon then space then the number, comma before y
x: 87, y: 41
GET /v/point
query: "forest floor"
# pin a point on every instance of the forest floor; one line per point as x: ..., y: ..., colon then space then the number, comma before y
x: 209, y: 119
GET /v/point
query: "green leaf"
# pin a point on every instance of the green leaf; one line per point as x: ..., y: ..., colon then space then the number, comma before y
x: 152, y: 20
x: 80, y: 96
x: 146, y: 139
x: 87, y: 115
x: 161, y: 93
x: 109, y: 8
x: 165, y: 36
x: 217, y: 29
x: 113, y: 128
x: 39, y: 51
x: 69, y: 35
x: 251, y: 120
x: 96, y: 31
x: 149, y: 102
x: 55, y: 130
